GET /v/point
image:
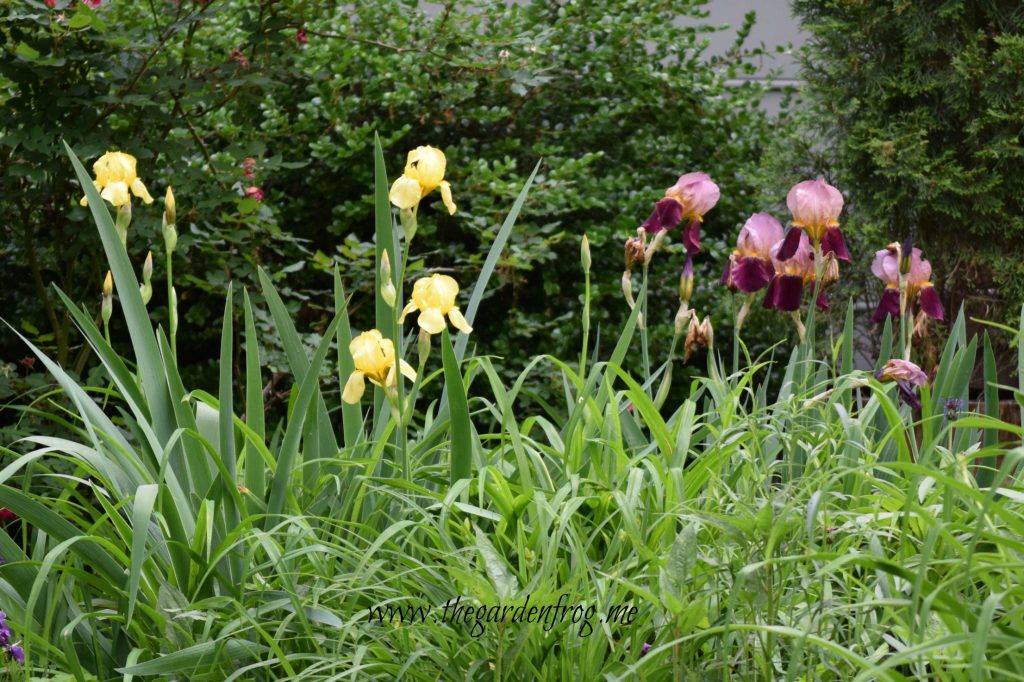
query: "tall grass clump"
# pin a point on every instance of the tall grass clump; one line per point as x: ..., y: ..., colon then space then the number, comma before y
x: 841, y: 524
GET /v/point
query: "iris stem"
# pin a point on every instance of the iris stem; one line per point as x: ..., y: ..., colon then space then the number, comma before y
x: 643, y: 329
x: 172, y: 323
x: 586, y: 324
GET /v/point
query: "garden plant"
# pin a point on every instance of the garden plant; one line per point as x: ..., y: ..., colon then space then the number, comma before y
x: 840, y: 524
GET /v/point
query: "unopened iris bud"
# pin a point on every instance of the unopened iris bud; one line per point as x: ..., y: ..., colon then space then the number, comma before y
x: 122, y: 221
x: 585, y: 253
x: 174, y: 311
x: 170, y: 216
x: 147, y: 268
x: 107, y: 305
x: 387, y: 290
x: 423, y: 347
x: 686, y: 281
x: 905, y: 254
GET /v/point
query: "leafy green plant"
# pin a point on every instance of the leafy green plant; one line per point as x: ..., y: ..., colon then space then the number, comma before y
x: 828, y: 532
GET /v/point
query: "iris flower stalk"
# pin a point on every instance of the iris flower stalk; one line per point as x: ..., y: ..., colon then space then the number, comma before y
x: 170, y: 232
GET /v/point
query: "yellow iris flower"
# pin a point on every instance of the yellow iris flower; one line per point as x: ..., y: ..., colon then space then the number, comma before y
x: 424, y: 172
x: 434, y: 297
x: 374, y: 358
x: 116, y: 177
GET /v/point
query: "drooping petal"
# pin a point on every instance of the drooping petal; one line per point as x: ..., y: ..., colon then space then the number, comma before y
x: 909, y: 394
x: 354, y: 388
x: 790, y: 244
x: 431, y: 321
x: 930, y: 303
x: 889, y: 305
x: 139, y: 190
x: 822, y: 301
x: 751, y: 274
x: 770, y: 294
x: 407, y: 371
x: 410, y: 307
x: 788, y: 290
x: 666, y: 215
x: 116, y: 193
x: 691, y: 237
x: 726, y: 277
x: 446, y: 197
x: 405, y: 192
x: 833, y: 242
x: 458, y: 321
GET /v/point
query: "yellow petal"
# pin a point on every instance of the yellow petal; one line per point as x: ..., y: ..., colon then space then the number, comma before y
x: 426, y: 165
x: 407, y: 371
x: 139, y: 190
x: 405, y: 192
x: 446, y: 197
x: 409, y: 308
x: 458, y: 321
x: 116, y: 193
x: 431, y: 321
x: 354, y: 388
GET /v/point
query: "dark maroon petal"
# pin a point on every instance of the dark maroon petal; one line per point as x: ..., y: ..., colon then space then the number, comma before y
x: 909, y: 394
x: 725, y: 274
x: 7, y: 515
x: 666, y: 215
x: 769, y: 295
x: 788, y: 289
x: 833, y: 242
x: 691, y: 237
x: 889, y: 305
x: 751, y: 274
x: 930, y: 303
x: 790, y: 244
x: 822, y: 300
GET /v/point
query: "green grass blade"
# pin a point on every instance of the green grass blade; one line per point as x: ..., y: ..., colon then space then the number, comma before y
x: 255, y: 471
x: 142, y: 512
x: 461, y: 429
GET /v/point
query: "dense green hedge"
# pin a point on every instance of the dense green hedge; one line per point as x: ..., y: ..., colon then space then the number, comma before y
x: 616, y: 97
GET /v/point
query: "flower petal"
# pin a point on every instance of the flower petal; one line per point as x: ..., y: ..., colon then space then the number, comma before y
x: 930, y: 303
x: 750, y: 274
x: 790, y: 244
x: 139, y: 190
x: 354, y: 388
x: 407, y: 371
x: 691, y: 237
x: 833, y: 242
x: 886, y: 267
x: 787, y: 293
x: 458, y: 321
x: 409, y: 308
x: 405, y: 192
x: 889, y: 305
x: 446, y: 197
x: 666, y: 215
x: 431, y: 321
x: 116, y: 193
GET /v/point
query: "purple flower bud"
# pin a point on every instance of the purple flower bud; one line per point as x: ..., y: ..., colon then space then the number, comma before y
x: 645, y: 649
x: 17, y: 653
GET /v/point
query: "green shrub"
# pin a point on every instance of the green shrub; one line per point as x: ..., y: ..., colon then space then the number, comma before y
x: 617, y: 98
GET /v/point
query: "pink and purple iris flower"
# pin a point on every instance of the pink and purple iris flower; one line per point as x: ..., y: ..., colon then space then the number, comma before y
x: 693, y: 195
x: 815, y: 206
x: 786, y: 288
x: 750, y: 266
x: 908, y: 378
x: 920, y: 291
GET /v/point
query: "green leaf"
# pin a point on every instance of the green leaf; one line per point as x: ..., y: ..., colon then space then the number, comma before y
x: 461, y: 430
x: 25, y: 51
